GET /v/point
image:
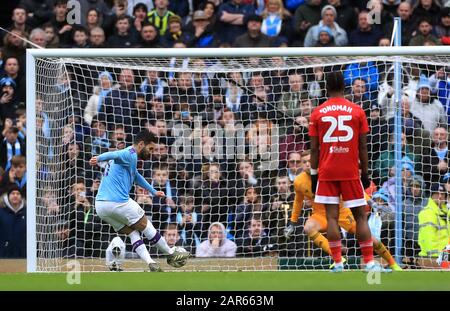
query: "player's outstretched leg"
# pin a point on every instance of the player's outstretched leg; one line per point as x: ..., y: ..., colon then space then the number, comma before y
x: 141, y: 250
x: 156, y: 239
x: 381, y: 250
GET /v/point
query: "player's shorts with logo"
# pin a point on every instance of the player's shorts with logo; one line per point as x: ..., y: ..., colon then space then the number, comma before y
x: 330, y: 192
x: 346, y: 219
x: 119, y: 215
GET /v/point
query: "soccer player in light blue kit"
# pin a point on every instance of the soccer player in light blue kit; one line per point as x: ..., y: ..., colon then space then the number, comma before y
x: 114, y: 205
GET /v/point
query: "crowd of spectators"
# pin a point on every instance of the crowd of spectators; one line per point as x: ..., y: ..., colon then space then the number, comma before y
x: 214, y: 206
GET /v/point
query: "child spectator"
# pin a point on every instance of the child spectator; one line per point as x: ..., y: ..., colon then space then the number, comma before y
x: 15, y: 176
x: 190, y: 223
x: 80, y: 37
x: 11, y: 146
x: 123, y: 37
x: 164, y: 209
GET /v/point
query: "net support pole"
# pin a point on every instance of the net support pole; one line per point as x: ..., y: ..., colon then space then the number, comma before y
x: 31, y: 164
x: 398, y: 145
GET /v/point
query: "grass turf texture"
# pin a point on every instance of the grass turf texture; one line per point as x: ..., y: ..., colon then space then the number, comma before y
x: 204, y: 281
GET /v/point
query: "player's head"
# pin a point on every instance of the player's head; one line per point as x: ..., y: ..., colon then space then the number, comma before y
x: 335, y: 83
x: 144, y: 142
x: 306, y: 160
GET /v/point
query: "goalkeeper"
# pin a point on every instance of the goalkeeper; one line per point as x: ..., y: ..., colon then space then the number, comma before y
x: 317, y: 222
x: 113, y: 203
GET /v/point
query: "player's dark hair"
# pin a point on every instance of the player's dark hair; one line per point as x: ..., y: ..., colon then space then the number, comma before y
x: 305, y: 153
x: 146, y: 136
x: 335, y: 82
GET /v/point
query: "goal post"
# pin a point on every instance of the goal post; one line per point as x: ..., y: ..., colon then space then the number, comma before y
x: 61, y: 83
x: 31, y: 164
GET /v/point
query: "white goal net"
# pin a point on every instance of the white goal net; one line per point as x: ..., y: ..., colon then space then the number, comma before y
x: 232, y: 132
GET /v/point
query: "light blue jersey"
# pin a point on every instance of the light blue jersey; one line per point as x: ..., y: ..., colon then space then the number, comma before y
x: 119, y: 175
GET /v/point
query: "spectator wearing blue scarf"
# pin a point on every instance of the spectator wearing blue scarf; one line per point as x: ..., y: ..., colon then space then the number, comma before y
x: 11, y: 146
x: 276, y: 23
x: 96, y: 101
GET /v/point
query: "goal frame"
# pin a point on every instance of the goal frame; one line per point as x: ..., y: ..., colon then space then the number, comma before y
x: 33, y: 54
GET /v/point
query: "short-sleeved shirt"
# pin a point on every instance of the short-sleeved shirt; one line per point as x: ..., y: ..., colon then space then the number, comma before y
x: 338, y: 123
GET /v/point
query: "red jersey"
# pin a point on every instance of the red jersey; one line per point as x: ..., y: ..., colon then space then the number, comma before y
x: 338, y: 123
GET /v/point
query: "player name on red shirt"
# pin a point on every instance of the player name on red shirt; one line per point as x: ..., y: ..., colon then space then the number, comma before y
x: 343, y: 108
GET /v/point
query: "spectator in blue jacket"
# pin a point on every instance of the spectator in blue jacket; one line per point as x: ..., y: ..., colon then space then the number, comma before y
x: 440, y: 84
x: 13, y: 224
x: 367, y: 71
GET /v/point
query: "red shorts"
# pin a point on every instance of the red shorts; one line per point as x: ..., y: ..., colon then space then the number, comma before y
x: 330, y: 192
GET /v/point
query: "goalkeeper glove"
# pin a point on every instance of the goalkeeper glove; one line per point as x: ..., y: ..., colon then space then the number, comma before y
x: 379, y: 208
x: 314, y: 178
x: 289, y: 230
x: 365, y: 181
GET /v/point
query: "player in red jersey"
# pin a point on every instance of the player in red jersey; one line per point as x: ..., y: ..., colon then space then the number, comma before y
x: 338, y: 130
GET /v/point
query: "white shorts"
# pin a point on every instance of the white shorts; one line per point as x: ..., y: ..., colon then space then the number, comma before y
x: 119, y: 215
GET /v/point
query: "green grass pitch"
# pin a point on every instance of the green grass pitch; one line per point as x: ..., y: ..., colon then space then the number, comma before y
x: 223, y: 281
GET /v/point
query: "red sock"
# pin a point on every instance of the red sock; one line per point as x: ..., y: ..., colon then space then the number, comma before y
x: 336, y: 250
x: 366, y: 250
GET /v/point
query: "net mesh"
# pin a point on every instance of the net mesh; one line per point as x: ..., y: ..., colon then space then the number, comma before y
x: 231, y: 137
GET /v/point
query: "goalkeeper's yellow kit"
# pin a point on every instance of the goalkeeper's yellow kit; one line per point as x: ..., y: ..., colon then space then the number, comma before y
x: 302, y: 187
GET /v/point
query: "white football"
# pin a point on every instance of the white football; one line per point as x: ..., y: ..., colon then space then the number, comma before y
x: 177, y: 263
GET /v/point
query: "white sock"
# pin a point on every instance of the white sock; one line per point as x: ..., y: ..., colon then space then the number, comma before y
x: 139, y: 247
x: 156, y: 239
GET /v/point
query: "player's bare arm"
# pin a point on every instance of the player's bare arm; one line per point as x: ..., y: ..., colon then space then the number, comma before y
x: 314, y: 162
x: 364, y: 160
